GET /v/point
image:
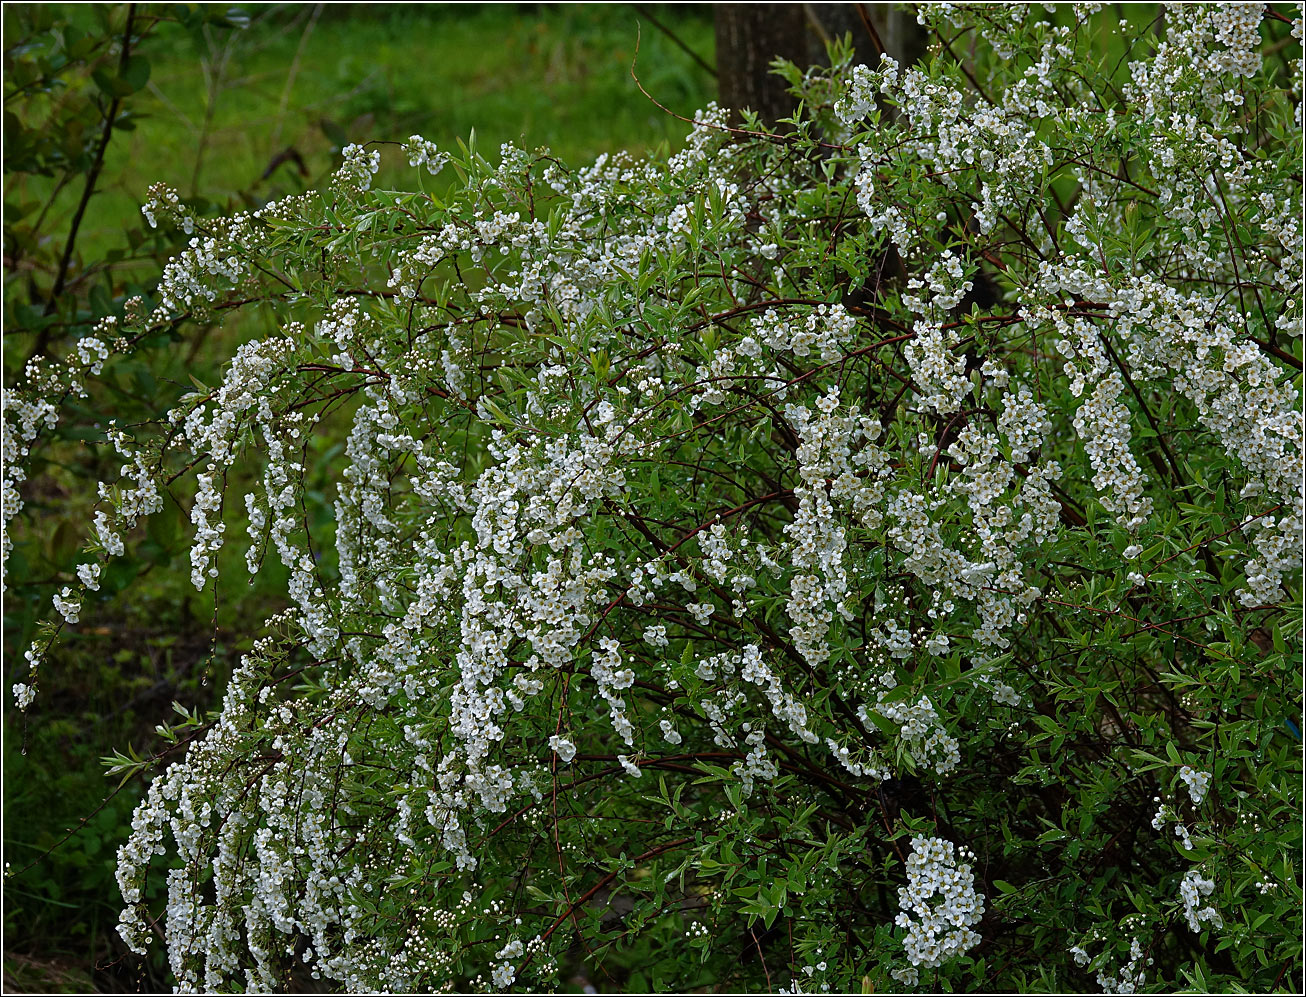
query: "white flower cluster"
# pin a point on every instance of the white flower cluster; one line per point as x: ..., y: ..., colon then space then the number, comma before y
x: 33, y: 408
x: 139, y: 495
x: 939, y: 904
x: 1131, y: 976
x: 1198, y: 782
x: 825, y: 331
x: 1165, y: 814
x: 24, y: 694
x: 820, y: 580
x: 357, y: 167
x: 68, y: 606
x: 1191, y: 890
x: 863, y: 84
x: 1207, y: 41
x: 938, y: 372
x: 92, y: 352
x: 208, y: 535
x: 165, y: 203
x: 945, y: 281
x: 611, y: 678
x: 189, y: 278
x: 1197, y: 341
x: 923, y: 733
x: 1103, y: 423
x: 423, y: 152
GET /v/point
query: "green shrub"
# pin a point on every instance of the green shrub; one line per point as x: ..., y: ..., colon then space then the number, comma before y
x: 854, y: 557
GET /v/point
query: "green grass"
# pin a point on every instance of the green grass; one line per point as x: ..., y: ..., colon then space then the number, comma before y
x: 222, y: 105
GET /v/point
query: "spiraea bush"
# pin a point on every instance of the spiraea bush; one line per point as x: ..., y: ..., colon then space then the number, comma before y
x: 861, y: 555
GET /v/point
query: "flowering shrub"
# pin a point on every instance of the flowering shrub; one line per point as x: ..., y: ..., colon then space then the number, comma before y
x: 725, y: 546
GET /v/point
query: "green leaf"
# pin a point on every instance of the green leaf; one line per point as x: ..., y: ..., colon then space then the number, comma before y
x: 136, y: 73
x: 883, y: 723
x: 111, y: 84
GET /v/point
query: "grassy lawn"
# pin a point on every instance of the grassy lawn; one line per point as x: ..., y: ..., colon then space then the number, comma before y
x: 223, y: 106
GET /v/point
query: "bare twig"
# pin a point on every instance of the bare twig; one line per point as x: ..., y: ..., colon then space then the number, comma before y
x: 645, y: 12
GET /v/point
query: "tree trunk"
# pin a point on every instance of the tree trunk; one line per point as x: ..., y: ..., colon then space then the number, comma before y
x: 748, y: 38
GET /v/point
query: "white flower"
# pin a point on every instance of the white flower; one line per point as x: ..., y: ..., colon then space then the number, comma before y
x: 90, y: 575
x: 669, y: 732
x: 1198, y: 782
x: 24, y: 694
x: 563, y: 748
x: 656, y: 635
x: 422, y: 152
x: 701, y: 611
x: 68, y: 607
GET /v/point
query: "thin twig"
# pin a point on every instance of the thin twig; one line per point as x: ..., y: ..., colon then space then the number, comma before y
x: 771, y: 136
x: 645, y: 12
x: 870, y: 29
